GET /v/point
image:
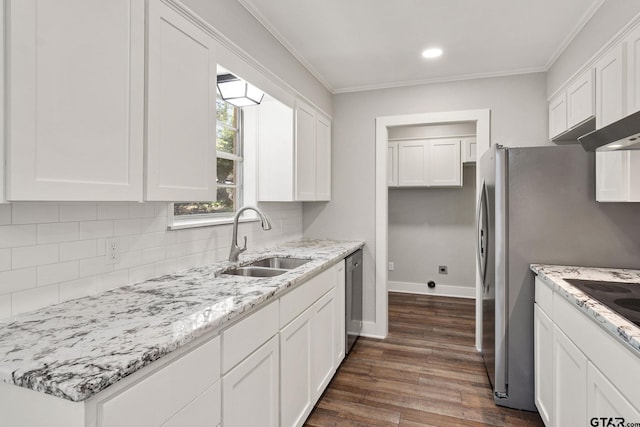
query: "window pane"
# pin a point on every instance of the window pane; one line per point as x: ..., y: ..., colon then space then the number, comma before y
x: 226, y: 171
x: 226, y: 202
x: 226, y: 139
x: 226, y: 199
x: 226, y: 113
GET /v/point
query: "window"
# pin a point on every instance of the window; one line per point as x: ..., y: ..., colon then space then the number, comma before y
x: 229, y: 169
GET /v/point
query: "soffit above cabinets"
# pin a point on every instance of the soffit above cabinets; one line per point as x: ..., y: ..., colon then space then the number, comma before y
x: 367, y: 44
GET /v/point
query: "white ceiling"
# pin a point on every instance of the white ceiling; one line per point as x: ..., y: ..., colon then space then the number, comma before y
x: 364, y: 44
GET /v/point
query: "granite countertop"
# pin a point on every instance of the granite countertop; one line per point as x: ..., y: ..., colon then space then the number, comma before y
x: 619, y: 327
x: 78, y: 348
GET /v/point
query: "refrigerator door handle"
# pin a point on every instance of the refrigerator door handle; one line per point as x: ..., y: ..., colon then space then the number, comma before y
x: 482, y: 235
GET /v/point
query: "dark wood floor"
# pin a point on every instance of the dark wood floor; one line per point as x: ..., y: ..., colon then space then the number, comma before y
x: 425, y: 373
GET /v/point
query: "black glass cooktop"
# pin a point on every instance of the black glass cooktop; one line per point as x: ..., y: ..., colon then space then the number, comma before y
x: 621, y: 297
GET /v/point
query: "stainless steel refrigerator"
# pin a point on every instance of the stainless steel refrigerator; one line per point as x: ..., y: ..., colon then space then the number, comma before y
x: 537, y: 205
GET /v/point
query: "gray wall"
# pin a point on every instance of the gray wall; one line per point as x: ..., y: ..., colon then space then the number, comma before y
x: 605, y: 23
x: 429, y: 227
x: 518, y: 118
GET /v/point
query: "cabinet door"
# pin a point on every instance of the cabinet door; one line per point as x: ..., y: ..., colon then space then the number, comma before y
x: 76, y: 99
x: 580, y: 102
x: 610, y: 87
x: 570, y: 382
x: 413, y: 160
x: 204, y: 411
x: 392, y: 164
x: 181, y: 147
x: 604, y: 400
x: 2, y: 102
x: 295, y: 370
x: 444, y: 163
x: 558, y: 115
x: 468, y: 147
x: 323, y: 158
x: 251, y: 389
x: 305, y: 152
x: 543, y: 364
x: 612, y: 172
x: 323, y: 342
x: 340, y: 313
x: 633, y: 71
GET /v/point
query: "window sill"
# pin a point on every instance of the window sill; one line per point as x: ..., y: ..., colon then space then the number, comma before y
x: 208, y: 222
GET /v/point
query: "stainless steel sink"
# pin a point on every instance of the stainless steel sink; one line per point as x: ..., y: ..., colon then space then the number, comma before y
x: 280, y: 262
x: 255, y: 271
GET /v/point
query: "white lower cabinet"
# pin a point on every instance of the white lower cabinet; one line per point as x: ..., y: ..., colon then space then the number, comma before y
x: 569, y: 382
x: 581, y: 373
x: 295, y: 374
x: 250, y: 390
x: 323, y: 342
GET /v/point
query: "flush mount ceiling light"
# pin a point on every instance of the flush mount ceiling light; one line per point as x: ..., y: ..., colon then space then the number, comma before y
x: 238, y: 92
x: 432, y: 53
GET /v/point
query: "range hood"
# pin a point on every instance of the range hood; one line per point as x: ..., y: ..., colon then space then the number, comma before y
x: 621, y: 135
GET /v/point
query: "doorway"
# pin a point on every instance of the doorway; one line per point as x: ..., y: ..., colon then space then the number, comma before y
x: 481, y: 118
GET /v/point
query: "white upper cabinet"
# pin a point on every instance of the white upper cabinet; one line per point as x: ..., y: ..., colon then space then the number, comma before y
x: 429, y: 163
x: 572, y: 107
x: 181, y: 145
x: 444, y: 163
x: 76, y: 102
x: 558, y: 115
x: 305, y: 132
x: 294, y: 153
x: 632, y: 43
x: 610, y: 87
x: 580, y: 103
x: 2, y: 99
x: 468, y: 147
x: 392, y: 164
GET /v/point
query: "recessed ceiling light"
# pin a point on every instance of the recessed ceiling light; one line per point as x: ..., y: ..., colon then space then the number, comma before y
x: 432, y: 53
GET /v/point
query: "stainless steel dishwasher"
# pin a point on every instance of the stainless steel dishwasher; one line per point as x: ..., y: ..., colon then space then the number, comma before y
x: 353, y: 298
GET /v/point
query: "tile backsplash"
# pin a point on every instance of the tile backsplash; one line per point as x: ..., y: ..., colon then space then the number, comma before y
x: 53, y: 252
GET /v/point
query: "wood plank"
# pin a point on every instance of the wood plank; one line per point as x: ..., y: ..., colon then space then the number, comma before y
x: 425, y: 373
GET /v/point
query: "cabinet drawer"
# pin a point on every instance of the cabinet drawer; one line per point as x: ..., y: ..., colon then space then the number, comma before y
x: 158, y: 397
x: 244, y: 337
x: 204, y: 411
x: 302, y: 297
x: 616, y: 362
x: 544, y: 296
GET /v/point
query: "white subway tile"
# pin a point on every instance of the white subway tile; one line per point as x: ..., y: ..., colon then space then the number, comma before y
x: 78, y: 288
x: 17, y: 235
x: 190, y: 261
x: 166, y: 267
x: 29, y: 256
x: 56, y: 273
x: 96, y: 229
x: 5, y: 259
x: 17, y: 280
x: 141, y: 210
x: 126, y: 227
x: 113, y: 280
x: 5, y: 306
x: 82, y: 211
x: 128, y: 260
x: 143, y: 241
x: 80, y: 249
x: 34, y: 299
x: 5, y: 214
x: 150, y: 225
x: 113, y: 210
x: 94, y: 266
x: 57, y: 232
x: 162, y: 209
x: 177, y: 250
x: 141, y: 273
x: 153, y: 254
x: 34, y: 213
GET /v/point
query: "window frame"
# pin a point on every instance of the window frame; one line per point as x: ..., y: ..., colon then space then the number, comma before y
x: 208, y: 219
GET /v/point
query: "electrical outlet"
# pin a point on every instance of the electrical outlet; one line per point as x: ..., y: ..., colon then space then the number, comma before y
x: 392, y: 266
x: 442, y: 269
x: 112, y: 252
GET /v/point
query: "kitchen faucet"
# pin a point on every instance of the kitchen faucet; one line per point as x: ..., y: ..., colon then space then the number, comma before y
x: 235, y: 249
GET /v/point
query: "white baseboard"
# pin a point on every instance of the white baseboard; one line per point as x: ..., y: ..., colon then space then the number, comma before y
x: 440, y: 290
x: 369, y: 330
